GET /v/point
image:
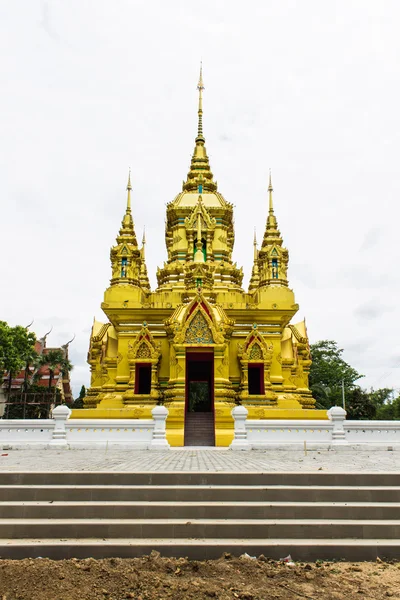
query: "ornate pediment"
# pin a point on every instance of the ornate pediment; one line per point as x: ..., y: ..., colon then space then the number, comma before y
x: 256, y: 348
x: 207, y: 221
x: 144, y: 348
x: 199, y: 330
x: 199, y: 322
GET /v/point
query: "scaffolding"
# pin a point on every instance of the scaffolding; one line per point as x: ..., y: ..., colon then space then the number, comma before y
x: 29, y: 404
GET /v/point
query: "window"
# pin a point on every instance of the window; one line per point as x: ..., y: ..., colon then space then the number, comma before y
x: 275, y: 271
x: 143, y: 379
x: 124, y: 264
x: 256, y: 379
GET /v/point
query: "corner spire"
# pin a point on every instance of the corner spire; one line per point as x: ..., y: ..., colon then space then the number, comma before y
x: 127, y: 231
x: 272, y: 234
x: 273, y: 258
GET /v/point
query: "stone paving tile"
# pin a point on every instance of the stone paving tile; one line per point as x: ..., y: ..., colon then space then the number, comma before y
x: 201, y: 459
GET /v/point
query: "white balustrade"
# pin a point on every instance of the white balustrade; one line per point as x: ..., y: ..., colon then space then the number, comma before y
x: 372, y: 432
x: 335, y: 431
x: 62, y: 431
x: 26, y: 432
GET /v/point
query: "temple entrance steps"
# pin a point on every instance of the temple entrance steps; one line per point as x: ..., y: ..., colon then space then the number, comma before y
x: 199, y: 429
x: 311, y: 516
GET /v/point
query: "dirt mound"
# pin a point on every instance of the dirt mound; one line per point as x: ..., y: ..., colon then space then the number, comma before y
x: 228, y: 578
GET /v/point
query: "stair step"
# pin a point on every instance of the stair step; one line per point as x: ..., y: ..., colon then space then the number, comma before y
x: 200, y: 528
x: 182, y: 478
x: 198, y: 510
x: 202, y: 549
x: 199, y: 429
x: 200, y: 515
x: 201, y: 493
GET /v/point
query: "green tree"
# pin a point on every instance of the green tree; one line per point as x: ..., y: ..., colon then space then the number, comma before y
x: 16, y: 350
x: 78, y: 402
x: 328, y: 371
x: 52, y: 360
x: 387, y: 404
x: 359, y: 405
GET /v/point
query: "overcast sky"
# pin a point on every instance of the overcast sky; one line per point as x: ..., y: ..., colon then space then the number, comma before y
x: 308, y: 88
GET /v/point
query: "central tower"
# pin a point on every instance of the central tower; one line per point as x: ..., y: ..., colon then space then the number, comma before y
x: 199, y: 229
x: 199, y: 343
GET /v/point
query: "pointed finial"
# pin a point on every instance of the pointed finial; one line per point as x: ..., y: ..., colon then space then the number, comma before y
x: 200, y: 87
x: 255, y: 245
x: 144, y: 236
x: 129, y: 188
x: 270, y: 190
x: 255, y: 236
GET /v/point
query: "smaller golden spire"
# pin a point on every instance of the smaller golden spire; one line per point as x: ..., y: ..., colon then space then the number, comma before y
x: 129, y: 189
x: 200, y: 87
x: 143, y: 242
x: 255, y: 245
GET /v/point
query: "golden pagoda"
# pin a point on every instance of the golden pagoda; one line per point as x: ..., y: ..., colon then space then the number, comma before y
x: 199, y: 343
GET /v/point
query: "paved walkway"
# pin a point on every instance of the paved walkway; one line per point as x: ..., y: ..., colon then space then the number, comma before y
x: 201, y: 459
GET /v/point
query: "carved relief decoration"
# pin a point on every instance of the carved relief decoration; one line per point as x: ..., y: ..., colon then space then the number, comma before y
x: 199, y: 322
x: 143, y: 347
x: 256, y: 348
x: 198, y: 331
x: 256, y: 353
x: 143, y: 351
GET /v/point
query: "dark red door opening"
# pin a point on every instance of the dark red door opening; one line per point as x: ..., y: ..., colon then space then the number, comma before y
x: 143, y: 378
x: 199, y: 417
x: 256, y: 379
x: 199, y: 382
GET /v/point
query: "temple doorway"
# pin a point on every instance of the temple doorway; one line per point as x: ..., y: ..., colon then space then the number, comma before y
x: 199, y: 417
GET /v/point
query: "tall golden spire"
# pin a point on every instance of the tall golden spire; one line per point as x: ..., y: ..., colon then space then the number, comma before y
x: 200, y: 177
x: 255, y: 245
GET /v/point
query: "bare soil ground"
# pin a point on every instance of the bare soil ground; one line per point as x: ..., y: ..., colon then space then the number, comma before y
x: 228, y: 578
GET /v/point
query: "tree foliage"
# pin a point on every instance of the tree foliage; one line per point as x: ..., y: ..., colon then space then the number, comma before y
x: 16, y: 348
x: 78, y: 402
x: 328, y: 371
x: 387, y: 404
x: 52, y: 360
x: 359, y: 405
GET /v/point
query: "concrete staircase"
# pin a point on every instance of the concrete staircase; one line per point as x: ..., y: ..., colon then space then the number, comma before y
x: 200, y: 515
x: 199, y: 429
